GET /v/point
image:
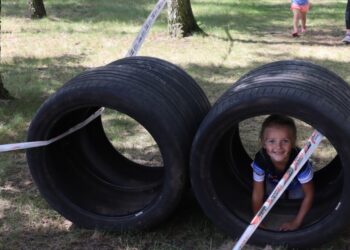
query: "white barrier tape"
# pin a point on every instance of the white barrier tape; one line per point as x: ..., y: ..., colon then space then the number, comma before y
x: 145, y: 28
x: 287, y: 178
x: 35, y: 144
x: 132, y: 52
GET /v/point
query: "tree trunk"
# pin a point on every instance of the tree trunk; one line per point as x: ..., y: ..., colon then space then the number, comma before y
x: 4, y: 94
x: 181, y: 21
x: 36, y: 9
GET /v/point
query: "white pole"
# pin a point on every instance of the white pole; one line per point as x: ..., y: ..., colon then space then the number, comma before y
x: 287, y: 178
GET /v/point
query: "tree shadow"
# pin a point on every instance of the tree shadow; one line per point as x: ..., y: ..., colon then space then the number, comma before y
x: 207, y: 75
x: 31, y: 81
x: 243, y: 16
x: 86, y: 10
x: 187, y: 228
x: 314, y: 37
x: 252, y: 17
x: 28, y: 222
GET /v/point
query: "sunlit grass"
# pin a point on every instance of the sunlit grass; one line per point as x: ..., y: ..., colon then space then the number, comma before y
x: 131, y: 139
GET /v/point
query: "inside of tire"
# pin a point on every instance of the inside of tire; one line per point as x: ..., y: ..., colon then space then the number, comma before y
x: 87, y: 170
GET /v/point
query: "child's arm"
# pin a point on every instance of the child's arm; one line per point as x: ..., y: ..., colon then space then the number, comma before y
x: 308, y: 189
x: 257, y: 196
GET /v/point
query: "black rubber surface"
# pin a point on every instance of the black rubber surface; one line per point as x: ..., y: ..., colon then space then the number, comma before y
x: 328, y: 81
x: 84, y: 178
x: 220, y: 167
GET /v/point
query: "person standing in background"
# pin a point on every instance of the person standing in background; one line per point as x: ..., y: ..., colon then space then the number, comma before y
x: 346, y: 39
x: 299, y: 8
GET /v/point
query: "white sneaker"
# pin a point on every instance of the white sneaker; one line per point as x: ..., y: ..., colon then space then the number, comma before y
x: 346, y: 39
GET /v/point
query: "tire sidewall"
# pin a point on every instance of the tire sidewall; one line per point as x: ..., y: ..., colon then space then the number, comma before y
x: 128, y: 103
x: 220, y: 120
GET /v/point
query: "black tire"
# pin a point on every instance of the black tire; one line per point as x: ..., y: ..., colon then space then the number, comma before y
x: 239, y: 158
x: 223, y: 194
x: 192, y: 93
x: 84, y: 178
x: 298, y: 66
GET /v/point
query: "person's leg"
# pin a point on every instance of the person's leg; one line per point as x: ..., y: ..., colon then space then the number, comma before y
x: 347, y: 23
x: 347, y: 16
x: 296, y: 17
x: 303, y: 21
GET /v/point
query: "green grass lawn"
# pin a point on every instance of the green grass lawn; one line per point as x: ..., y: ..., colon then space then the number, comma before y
x: 39, y: 56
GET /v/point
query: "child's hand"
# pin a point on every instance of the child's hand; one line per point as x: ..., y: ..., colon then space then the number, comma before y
x: 289, y: 226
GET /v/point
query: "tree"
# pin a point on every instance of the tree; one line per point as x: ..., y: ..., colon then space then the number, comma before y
x: 36, y: 9
x: 181, y: 21
x: 4, y: 94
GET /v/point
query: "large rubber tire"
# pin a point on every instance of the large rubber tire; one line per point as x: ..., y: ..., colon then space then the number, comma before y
x: 239, y: 158
x: 191, y: 93
x: 223, y: 194
x: 84, y: 178
x: 299, y: 66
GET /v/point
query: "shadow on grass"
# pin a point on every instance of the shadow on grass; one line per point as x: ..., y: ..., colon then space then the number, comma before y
x: 328, y: 38
x: 208, y: 76
x: 187, y: 228
x: 213, y: 79
x: 32, y: 80
x: 86, y: 10
x: 248, y: 16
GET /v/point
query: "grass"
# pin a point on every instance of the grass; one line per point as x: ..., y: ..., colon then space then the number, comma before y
x: 131, y: 139
x: 40, y: 56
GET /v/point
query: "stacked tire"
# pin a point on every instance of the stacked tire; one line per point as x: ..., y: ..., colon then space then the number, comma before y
x: 84, y: 178
x: 220, y: 167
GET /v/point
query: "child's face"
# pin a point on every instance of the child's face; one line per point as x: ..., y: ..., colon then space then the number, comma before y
x: 278, y: 142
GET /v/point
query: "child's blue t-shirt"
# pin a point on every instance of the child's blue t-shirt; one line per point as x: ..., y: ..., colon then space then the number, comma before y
x: 263, y: 168
x: 300, y: 2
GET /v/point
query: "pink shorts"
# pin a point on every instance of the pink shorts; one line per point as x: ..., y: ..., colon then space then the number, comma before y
x: 302, y: 8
